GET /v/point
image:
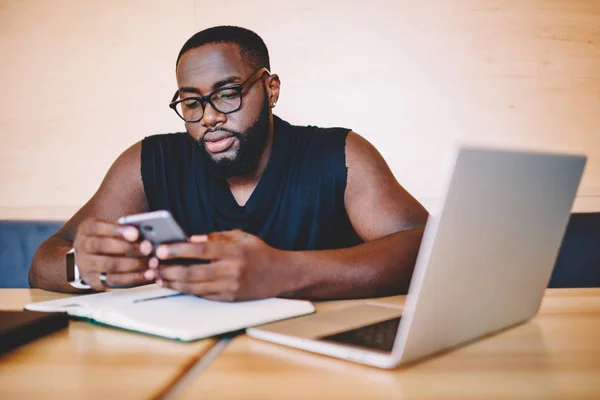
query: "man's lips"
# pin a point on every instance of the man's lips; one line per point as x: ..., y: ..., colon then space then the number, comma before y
x: 218, y: 144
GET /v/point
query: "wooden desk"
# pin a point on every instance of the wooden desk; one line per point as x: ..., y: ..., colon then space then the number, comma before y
x: 555, y: 356
x: 87, y: 361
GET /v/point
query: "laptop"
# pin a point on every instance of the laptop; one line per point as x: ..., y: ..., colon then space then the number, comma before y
x: 483, y: 265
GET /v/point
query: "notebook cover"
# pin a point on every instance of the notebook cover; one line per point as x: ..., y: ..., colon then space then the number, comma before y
x: 20, y: 327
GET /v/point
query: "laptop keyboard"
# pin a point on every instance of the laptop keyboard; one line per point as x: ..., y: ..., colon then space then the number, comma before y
x: 379, y: 336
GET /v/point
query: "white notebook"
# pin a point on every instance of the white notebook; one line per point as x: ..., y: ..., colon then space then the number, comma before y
x: 166, y: 313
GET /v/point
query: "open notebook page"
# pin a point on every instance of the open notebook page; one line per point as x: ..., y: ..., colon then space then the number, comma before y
x: 164, y: 312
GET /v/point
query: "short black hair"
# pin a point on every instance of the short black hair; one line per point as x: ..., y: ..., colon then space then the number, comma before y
x: 253, y: 50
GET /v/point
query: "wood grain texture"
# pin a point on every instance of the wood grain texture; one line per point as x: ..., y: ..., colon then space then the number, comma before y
x: 555, y: 356
x: 86, y: 361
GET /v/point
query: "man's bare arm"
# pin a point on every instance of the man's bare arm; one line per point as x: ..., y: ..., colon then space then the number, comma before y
x: 120, y: 193
x: 386, y: 217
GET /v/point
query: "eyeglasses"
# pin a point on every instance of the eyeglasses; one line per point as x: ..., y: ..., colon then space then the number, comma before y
x: 224, y: 100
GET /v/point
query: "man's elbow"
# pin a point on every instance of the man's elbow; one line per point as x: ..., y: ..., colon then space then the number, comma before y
x: 33, y: 277
x: 40, y: 266
x: 420, y: 218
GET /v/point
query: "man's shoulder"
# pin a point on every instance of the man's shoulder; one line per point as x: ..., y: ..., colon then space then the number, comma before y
x: 167, y: 137
x: 317, y: 131
x: 318, y: 149
x: 173, y: 144
x: 320, y: 137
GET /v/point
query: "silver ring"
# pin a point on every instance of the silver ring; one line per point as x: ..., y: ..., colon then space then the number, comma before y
x: 103, y: 280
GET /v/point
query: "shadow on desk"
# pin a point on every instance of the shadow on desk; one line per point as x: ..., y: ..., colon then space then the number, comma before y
x: 514, y: 363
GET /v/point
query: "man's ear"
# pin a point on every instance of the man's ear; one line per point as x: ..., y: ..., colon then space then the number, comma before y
x: 273, y: 85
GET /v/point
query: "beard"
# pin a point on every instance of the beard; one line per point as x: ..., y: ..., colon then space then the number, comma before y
x: 252, y: 144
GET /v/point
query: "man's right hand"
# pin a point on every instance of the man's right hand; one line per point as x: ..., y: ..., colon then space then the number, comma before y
x: 106, y: 247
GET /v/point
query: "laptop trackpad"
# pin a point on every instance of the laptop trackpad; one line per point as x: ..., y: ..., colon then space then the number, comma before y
x: 328, y: 323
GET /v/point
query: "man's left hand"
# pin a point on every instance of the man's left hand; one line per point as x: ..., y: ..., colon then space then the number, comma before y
x: 241, y: 267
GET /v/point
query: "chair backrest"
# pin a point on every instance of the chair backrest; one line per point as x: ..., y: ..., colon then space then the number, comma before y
x: 577, y: 265
x: 18, y: 242
x: 578, y: 262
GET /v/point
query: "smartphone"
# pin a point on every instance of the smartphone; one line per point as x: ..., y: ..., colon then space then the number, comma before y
x: 160, y: 227
x: 157, y: 226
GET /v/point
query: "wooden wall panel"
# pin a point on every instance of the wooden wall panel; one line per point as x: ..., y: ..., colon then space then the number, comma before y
x: 415, y: 78
x: 81, y: 81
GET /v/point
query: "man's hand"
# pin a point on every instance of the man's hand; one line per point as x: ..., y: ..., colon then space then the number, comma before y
x: 242, y: 267
x: 107, y: 247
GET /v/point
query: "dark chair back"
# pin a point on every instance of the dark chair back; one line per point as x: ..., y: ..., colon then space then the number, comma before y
x: 578, y: 262
x: 18, y: 242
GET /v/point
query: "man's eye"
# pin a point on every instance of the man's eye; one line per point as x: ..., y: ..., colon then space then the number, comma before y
x: 229, y: 94
x: 191, y: 103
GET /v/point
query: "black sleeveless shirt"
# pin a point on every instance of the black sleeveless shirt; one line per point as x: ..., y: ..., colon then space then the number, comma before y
x: 298, y: 203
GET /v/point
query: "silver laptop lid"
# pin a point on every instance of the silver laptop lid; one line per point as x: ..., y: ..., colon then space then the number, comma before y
x: 486, y: 258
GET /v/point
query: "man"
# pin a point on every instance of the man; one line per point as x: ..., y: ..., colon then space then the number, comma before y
x: 278, y: 210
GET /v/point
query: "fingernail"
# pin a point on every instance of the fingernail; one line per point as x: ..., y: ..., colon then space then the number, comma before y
x: 159, y: 282
x: 130, y: 234
x: 162, y: 252
x: 199, y: 238
x: 149, y: 274
x: 145, y: 247
x: 153, y: 263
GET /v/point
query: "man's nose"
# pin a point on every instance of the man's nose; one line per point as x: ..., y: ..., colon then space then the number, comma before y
x: 211, y: 116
